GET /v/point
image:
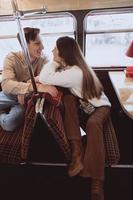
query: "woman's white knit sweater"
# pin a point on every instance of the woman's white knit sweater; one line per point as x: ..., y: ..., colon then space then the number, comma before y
x: 71, y: 77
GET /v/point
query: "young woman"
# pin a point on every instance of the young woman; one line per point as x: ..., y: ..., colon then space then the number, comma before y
x: 70, y: 70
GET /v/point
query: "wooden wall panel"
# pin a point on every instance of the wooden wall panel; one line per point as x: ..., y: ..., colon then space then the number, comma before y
x: 57, y: 5
x: 61, y: 5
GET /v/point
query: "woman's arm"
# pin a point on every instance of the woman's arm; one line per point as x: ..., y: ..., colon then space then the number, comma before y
x: 47, y: 88
x: 69, y: 78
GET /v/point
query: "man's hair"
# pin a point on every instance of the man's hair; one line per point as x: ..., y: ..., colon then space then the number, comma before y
x: 30, y: 34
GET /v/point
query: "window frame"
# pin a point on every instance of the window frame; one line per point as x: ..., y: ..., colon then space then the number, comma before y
x: 11, y: 18
x: 105, y: 12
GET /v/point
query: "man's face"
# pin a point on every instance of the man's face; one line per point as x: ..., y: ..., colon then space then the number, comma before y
x: 35, y: 48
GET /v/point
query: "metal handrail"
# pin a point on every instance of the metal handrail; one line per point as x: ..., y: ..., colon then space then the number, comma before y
x: 18, y: 14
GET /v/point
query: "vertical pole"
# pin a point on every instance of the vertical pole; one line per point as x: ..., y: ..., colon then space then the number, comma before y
x: 17, y: 15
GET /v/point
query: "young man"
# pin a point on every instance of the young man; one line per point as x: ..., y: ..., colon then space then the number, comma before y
x: 15, y: 80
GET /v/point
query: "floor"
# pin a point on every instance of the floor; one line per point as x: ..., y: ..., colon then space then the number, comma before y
x: 49, y: 183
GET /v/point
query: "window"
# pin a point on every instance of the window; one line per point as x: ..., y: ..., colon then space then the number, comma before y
x: 52, y: 26
x: 8, y: 41
x: 108, y: 35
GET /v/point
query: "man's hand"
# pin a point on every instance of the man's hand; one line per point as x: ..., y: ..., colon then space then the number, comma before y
x: 36, y: 78
x: 21, y: 99
x: 47, y: 88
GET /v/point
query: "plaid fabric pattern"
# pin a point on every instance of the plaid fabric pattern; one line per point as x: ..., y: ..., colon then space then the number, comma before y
x: 53, y: 116
x: 53, y: 100
x: 112, y: 154
x: 27, y: 131
x: 14, y: 146
x: 10, y: 146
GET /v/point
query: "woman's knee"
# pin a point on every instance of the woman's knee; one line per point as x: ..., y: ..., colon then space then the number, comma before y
x: 69, y: 98
x: 93, y: 123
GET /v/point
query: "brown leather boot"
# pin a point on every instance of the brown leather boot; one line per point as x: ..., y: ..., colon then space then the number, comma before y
x: 76, y: 165
x: 97, y: 192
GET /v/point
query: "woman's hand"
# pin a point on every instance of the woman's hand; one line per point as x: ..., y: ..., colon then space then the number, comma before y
x: 47, y: 88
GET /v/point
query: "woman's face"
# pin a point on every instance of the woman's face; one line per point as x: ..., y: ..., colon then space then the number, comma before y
x: 56, y: 56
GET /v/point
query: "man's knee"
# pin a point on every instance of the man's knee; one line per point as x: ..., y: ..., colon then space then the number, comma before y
x: 10, y: 121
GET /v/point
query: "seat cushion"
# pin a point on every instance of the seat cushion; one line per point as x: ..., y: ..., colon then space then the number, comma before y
x: 112, y: 153
x: 54, y: 119
x: 10, y: 144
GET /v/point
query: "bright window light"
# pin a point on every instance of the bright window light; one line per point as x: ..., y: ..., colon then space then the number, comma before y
x: 51, y: 27
x: 107, y: 39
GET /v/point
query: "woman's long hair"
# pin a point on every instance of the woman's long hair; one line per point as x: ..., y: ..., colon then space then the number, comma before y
x: 71, y: 53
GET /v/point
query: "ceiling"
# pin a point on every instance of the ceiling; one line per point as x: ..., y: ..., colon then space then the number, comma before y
x: 62, y: 5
